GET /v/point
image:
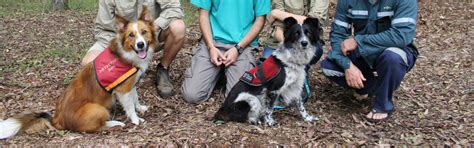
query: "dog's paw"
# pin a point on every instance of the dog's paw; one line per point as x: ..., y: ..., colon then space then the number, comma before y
x: 269, y: 121
x: 255, y: 122
x: 272, y: 123
x: 141, y: 108
x: 310, y: 118
x: 137, y: 120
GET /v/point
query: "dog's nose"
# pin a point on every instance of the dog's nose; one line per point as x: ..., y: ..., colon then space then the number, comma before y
x: 304, y: 43
x: 140, y: 44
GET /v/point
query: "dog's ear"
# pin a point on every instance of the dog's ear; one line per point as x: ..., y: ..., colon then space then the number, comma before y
x: 316, y: 29
x: 145, y: 15
x: 120, y: 23
x: 312, y: 22
x: 289, y: 21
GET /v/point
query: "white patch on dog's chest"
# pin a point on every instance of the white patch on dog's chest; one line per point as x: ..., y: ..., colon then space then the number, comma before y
x: 292, y: 87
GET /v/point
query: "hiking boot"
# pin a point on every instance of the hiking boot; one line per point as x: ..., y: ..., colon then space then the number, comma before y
x: 164, y: 86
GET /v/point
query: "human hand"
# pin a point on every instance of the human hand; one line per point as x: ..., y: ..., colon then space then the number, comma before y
x: 230, y: 56
x: 348, y: 45
x: 354, y: 77
x: 216, y: 56
x: 300, y: 18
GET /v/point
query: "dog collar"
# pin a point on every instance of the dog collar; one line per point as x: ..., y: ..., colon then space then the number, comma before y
x: 110, y: 71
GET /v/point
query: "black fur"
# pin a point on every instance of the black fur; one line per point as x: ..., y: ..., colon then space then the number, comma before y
x: 45, y: 115
x: 238, y: 111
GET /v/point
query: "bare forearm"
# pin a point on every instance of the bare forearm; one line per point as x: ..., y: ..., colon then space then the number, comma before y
x: 281, y: 15
x: 253, y: 32
x: 205, y: 25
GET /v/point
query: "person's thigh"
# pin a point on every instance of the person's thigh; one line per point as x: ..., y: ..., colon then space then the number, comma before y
x: 244, y: 62
x: 201, y: 77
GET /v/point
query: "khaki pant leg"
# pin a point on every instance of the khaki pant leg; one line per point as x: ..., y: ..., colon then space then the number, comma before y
x: 244, y: 62
x: 201, y: 78
x: 99, y: 45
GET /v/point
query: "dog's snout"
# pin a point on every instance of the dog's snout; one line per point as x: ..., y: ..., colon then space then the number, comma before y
x: 304, y: 43
x: 140, y: 44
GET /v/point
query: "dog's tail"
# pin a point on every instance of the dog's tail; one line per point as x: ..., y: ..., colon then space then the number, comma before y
x: 26, y: 122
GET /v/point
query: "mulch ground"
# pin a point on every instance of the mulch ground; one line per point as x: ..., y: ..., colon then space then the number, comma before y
x: 40, y: 53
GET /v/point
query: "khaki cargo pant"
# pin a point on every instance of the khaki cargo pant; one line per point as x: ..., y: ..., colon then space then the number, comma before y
x: 201, y: 78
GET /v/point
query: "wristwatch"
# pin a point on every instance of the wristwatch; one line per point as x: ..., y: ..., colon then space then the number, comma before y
x: 239, y: 49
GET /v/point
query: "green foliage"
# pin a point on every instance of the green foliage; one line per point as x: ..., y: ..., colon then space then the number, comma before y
x: 87, y: 5
x: 190, y: 12
x: 8, y: 7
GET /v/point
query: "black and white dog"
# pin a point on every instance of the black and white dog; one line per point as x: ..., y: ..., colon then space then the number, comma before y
x: 280, y: 76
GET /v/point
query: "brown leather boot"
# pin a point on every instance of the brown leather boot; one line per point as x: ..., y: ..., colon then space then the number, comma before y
x: 164, y: 86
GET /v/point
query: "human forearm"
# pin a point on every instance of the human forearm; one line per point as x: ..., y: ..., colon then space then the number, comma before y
x: 205, y: 25
x: 253, y: 32
x: 280, y: 15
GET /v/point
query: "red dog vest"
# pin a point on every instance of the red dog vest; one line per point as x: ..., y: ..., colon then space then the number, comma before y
x: 259, y: 75
x: 110, y: 71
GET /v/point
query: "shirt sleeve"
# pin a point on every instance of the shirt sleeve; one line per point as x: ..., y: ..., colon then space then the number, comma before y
x: 400, y: 34
x: 105, y: 21
x: 203, y: 4
x: 319, y: 9
x: 340, y: 30
x: 262, y: 7
x: 170, y: 10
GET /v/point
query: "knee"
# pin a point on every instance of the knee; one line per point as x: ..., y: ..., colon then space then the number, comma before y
x: 89, y: 57
x: 177, y: 29
x: 86, y: 60
x: 330, y: 69
x: 193, y: 97
x: 392, y: 56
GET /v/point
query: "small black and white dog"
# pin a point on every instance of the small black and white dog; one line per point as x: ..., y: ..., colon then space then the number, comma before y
x: 279, y: 76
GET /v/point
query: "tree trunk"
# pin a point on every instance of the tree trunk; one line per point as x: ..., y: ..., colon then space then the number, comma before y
x: 59, y: 5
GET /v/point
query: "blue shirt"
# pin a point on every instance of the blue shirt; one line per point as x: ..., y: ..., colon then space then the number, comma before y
x: 232, y: 19
x: 389, y: 23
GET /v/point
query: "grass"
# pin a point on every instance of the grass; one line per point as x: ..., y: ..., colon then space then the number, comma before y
x: 190, y: 12
x: 8, y: 7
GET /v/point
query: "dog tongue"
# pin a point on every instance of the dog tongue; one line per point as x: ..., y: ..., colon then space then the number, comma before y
x: 142, y: 54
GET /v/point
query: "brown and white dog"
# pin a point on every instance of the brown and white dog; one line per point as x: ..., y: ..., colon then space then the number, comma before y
x: 83, y: 107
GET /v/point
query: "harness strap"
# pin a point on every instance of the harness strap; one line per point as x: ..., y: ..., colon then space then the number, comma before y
x: 261, y: 75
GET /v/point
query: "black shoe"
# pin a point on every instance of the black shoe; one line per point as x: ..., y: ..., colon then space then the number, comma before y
x: 164, y: 86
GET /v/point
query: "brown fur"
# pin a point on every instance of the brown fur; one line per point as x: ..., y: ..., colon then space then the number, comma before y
x: 84, y: 105
x: 34, y: 122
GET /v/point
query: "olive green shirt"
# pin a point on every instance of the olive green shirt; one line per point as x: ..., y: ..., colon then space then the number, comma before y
x: 162, y: 11
x: 310, y: 8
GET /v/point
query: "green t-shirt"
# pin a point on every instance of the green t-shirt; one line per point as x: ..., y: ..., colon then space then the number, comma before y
x: 232, y: 19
